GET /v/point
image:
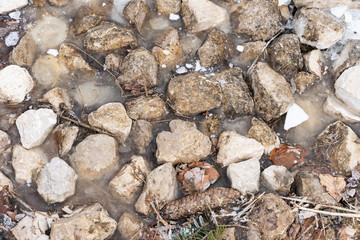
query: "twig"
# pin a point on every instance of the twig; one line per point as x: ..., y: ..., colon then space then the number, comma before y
x: 158, y: 215
x: 349, y: 215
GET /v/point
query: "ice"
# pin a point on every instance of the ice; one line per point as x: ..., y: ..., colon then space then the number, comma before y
x: 338, y: 11
x: 181, y: 70
x: 188, y: 65
x: 53, y: 52
x: 295, y: 116
x: 163, y: 66
x: 284, y: 2
x: 174, y: 17
x: 15, y: 15
x: 240, y: 48
x: 12, y: 39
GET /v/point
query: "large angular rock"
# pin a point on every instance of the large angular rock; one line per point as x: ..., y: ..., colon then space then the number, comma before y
x: 273, y: 95
x: 4, y: 181
x: 317, y: 28
x: 141, y: 134
x: 160, y: 188
x: 129, y: 226
x: 34, y: 126
x: 86, y: 19
x: 58, y: 98
x: 72, y: 59
x: 259, y: 19
x: 262, y: 133
x: 95, y: 156
x: 245, y: 176
x: 47, y: 70
x: 337, y: 108
x: 191, y: 144
x: 168, y: 6
x: 278, y: 179
x: 193, y: 93
x: 113, y: 118
x: 146, y: 108
x: 349, y: 57
x: 93, y: 223
x: 15, y: 83
x: 65, y: 136
x: 135, y: 12
x: 303, y: 80
x: 326, y: 4
x: 7, y: 6
x: 23, y: 54
x: 235, y: 148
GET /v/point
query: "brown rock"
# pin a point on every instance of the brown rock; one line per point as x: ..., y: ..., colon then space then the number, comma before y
x: 72, y: 59
x: 146, y: 108
x: 168, y: 6
x: 59, y: 3
x: 129, y: 226
x: 288, y: 156
x: 349, y: 57
x: 141, y: 135
x: 303, y: 80
x: 112, y: 62
x: 314, y: 62
x: 86, y: 19
x: 135, y: 12
x: 252, y: 50
x: 24, y: 53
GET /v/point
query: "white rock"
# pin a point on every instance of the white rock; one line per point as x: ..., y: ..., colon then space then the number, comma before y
x: 9, y: 5
x: 56, y: 181
x: 5, y: 143
x: 235, y: 148
x: 129, y: 226
x: 58, y: 96
x: 34, y: 126
x: 67, y: 137
x: 295, y: 116
x: 277, y: 178
x: 4, y: 181
x: 15, y: 83
x: 245, y: 176
x: 314, y: 62
x: 335, y: 107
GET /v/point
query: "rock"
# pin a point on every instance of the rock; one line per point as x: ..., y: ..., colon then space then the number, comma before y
x: 156, y: 190
x: 273, y: 96
x: 135, y: 12
x: 259, y: 19
x: 56, y: 181
x: 314, y: 62
x: 285, y: 13
x: 201, y: 15
x: 216, y: 48
x: 107, y: 37
x: 8, y: 6
x: 303, y: 80
x: 47, y: 70
x: 129, y: 226
x: 86, y: 19
x: 58, y: 98
x: 127, y: 184
x: 27, y: 163
x: 251, y: 51
x: 112, y: 62
x: 317, y: 28
x: 262, y: 133
x: 15, y: 83
x: 168, y: 6
x: 349, y: 57
x: 278, y: 179
x: 193, y: 93
x: 335, y: 107
x: 112, y: 117
x: 139, y: 70
x: 191, y: 144
x: 141, y: 134
x: 146, y: 108
x: 272, y: 226
x: 5, y: 144
x: 285, y: 55
x: 65, y: 136
x: 237, y: 100
x: 245, y: 176
x: 327, y: 4
x: 342, y: 148
x: 4, y: 181
x: 93, y: 222
x: 59, y: 3
x: 24, y: 53
x: 72, y: 59
x: 295, y: 116
x: 34, y: 126
x: 95, y: 156
x: 235, y: 148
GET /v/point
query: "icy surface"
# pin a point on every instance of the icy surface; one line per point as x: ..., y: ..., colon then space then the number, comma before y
x: 174, y: 17
x: 53, y: 52
x: 295, y: 116
x: 12, y: 39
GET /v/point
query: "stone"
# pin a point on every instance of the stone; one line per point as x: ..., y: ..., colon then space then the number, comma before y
x: 216, y: 49
x: 4, y: 181
x: 65, y: 136
x: 141, y: 135
x: 95, y: 156
x: 108, y: 37
x: 127, y: 184
x: 303, y: 80
x: 5, y: 143
x: 34, y: 126
x: 327, y: 4
x: 314, y: 61
x: 8, y: 6
x: 317, y: 28
x: 285, y: 55
x: 112, y: 62
x: 277, y: 179
x: 235, y: 148
x: 168, y: 6
x: 59, y: 3
x: 24, y: 53
x: 349, y: 57
x: 56, y: 181
x: 237, y: 100
x: 262, y: 133
x: 252, y: 51
x: 112, y: 117
x: 337, y: 108
x: 161, y: 188
x: 193, y: 93
x: 295, y: 116
x: 191, y: 144
x: 129, y: 226
x: 260, y: 19
x: 58, y: 98
x: 86, y: 19
x: 146, y: 108
x: 72, y: 59
x: 245, y: 176
x: 273, y: 95
x: 135, y: 12
x: 46, y: 70
x: 201, y: 15
x: 93, y: 222
x: 15, y: 83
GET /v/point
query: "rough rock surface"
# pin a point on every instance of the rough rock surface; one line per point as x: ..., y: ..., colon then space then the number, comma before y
x: 168, y: 6
x: 72, y: 59
x: 135, y: 12
x: 317, y: 28
x: 157, y: 190
x: 303, y: 80
x: 23, y: 54
x: 326, y: 4
x: 5, y: 143
x: 46, y: 70
x: 15, y: 83
x: 193, y: 93
x: 129, y: 226
x: 146, y: 108
x: 112, y: 62
x: 335, y: 107
x: 7, y: 6
x: 34, y: 126
x: 278, y: 179
x: 313, y: 61
x: 58, y: 3
x: 141, y: 134
x: 191, y: 144
x: 235, y: 148
x: 113, y: 118
x: 259, y: 19
x: 93, y: 222
x: 65, y: 136
x: 349, y: 57
x: 245, y: 176
x: 4, y: 181
x: 200, y: 15
x: 262, y: 133
x: 273, y: 95
x: 58, y: 98
x: 95, y: 156
x: 86, y: 19
x: 251, y: 51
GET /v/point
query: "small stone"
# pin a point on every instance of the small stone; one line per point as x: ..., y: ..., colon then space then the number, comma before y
x: 5, y: 144
x: 72, y: 59
x: 112, y: 62
x: 135, y: 12
x: 285, y: 12
x: 47, y: 70
x: 252, y: 50
x: 262, y: 133
x: 303, y: 80
x: 58, y: 98
x: 112, y: 117
x: 314, y: 63
x: 141, y: 135
x: 235, y: 148
x: 24, y: 53
x: 146, y: 108
x: 86, y: 19
x: 129, y: 226
x: 245, y: 176
x: 278, y: 179
x: 65, y: 136
x: 349, y: 57
x: 168, y: 6
x: 34, y: 126
x: 59, y: 3
x: 337, y: 108
x: 295, y: 116
x: 191, y: 144
x: 4, y: 181
x: 8, y: 6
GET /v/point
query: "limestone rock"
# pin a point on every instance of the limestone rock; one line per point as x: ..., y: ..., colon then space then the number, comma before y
x: 72, y: 59
x: 58, y: 98
x: 135, y: 12
x: 59, y: 3
x: 168, y: 6
x: 112, y: 61
x: 201, y: 15
x: 262, y: 133
x: 141, y: 134
x: 95, y: 156
x: 251, y: 51
x: 327, y: 4
x: 93, y: 222
x: 245, y: 176
x: 15, y: 83
x: 5, y: 143
x: 86, y: 19
x: 34, y: 126
x: 160, y: 188
x: 47, y: 70
x: 235, y: 148
x: 259, y: 19
x: 113, y: 118
x: 24, y: 53
x: 303, y: 80
x: 193, y: 93
x: 7, y: 6
x: 4, y: 181
x: 317, y: 28
x: 146, y: 108
x: 278, y: 179
x: 349, y: 57
x: 65, y: 136
x: 273, y: 95
x: 337, y: 108
x: 191, y: 144
x: 129, y: 226
x: 314, y: 62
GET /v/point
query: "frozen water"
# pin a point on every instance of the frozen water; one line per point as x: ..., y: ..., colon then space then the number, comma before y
x: 174, y: 17
x: 12, y: 39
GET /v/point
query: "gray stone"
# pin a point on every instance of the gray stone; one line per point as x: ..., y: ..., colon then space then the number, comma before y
x: 72, y: 59
x: 146, y: 108
x: 262, y: 133
x: 141, y: 134
x: 349, y: 57
x: 303, y: 80
x: 168, y: 6
x: 129, y: 226
x: 277, y: 178
x: 58, y: 98
x: 24, y: 53
x: 245, y: 176
x: 135, y: 12
x: 337, y: 108
x: 65, y: 136
x: 8, y: 6
x: 86, y: 19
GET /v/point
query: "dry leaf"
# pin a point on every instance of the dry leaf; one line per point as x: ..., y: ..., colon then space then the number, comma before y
x: 288, y: 156
x: 334, y: 185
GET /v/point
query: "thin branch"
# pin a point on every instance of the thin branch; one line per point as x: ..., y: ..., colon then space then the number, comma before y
x: 349, y: 215
x: 158, y: 215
